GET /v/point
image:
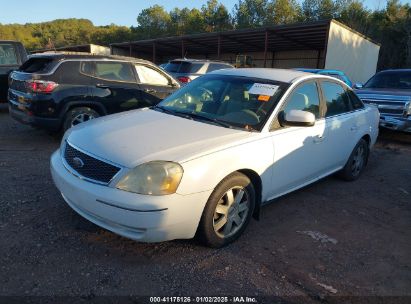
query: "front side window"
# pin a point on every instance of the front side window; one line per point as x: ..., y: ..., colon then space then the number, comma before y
x: 232, y: 101
x: 8, y: 54
x: 336, y: 98
x: 304, y: 98
x: 112, y: 71
x: 147, y: 75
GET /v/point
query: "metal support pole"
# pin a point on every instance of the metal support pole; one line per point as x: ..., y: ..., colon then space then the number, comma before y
x: 265, y: 48
x: 130, y: 50
x: 182, y: 49
x: 219, y: 47
x: 318, y: 59
x: 154, y: 52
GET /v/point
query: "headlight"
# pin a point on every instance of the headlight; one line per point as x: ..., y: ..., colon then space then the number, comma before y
x: 152, y: 178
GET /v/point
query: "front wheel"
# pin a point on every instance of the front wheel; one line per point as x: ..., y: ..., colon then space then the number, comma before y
x: 356, y: 163
x: 228, y: 211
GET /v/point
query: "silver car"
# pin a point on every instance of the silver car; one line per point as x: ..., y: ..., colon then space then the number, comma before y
x: 186, y: 70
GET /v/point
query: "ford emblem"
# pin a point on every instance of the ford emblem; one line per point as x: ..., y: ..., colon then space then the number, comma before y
x: 78, y: 163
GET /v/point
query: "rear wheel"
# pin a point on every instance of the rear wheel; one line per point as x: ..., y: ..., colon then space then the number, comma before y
x: 228, y: 211
x: 78, y: 115
x: 356, y: 163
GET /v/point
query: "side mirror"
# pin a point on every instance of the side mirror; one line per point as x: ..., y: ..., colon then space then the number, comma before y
x: 358, y: 86
x: 297, y: 118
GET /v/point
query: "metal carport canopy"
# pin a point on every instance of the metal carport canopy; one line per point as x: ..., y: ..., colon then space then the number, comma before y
x: 300, y: 36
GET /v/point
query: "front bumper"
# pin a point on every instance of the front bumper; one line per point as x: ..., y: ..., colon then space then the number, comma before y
x: 396, y: 123
x: 140, y: 217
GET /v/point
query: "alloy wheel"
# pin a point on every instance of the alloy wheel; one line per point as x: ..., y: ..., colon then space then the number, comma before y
x: 358, y: 160
x: 231, y: 212
x: 82, y: 117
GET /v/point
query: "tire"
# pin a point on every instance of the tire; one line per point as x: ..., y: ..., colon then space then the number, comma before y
x: 78, y: 115
x: 356, y: 163
x: 228, y: 211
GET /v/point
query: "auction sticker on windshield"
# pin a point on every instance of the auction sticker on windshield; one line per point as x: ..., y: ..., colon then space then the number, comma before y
x: 263, y: 89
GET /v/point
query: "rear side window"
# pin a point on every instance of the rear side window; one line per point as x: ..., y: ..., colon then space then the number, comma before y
x: 217, y: 66
x: 304, y: 98
x: 111, y: 71
x: 355, y: 101
x: 37, y: 65
x: 8, y: 54
x: 147, y: 75
x: 336, y: 98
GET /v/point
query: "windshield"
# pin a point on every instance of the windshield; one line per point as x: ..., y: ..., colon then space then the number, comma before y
x: 233, y: 101
x: 182, y: 67
x: 390, y: 80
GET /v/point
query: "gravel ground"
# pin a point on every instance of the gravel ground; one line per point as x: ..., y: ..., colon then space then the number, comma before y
x: 328, y: 242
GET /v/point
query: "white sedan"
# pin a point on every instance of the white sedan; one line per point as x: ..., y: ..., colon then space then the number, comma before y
x: 209, y: 156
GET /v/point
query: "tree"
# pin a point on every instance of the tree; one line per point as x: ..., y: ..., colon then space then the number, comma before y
x: 355, y: 15
x: 282, y: 12
x: 216, y: 16
x: 154, y: 21
x: 251, y: 13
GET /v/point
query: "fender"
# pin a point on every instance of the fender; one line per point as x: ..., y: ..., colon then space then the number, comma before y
x: 85, y: 103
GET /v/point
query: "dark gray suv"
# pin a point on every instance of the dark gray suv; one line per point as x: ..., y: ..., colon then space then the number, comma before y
x: 185, y: 70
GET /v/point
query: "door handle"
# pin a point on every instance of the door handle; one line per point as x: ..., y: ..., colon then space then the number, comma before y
x: 319, y: 138
x: 150, y: 90
x: 102, y: 86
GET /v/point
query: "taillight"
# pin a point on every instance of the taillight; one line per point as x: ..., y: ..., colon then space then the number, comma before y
x: 40, y: 86
x: 183, y: 79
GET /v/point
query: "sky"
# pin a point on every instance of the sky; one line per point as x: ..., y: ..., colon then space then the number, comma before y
x: 103, y: 12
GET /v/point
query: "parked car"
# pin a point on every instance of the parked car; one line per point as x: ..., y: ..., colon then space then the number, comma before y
x: 186, y: 70
x: 390, y: 90
x: 209, y: 156
x: 12, y: 55
x: 57, y: 91
x: 333, y: 73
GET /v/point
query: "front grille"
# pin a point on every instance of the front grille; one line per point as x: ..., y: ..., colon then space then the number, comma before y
x: 88, y: 166
x: 395, y: 108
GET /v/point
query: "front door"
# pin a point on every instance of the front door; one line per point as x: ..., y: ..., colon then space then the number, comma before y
x: 299, y: 154
x: 155, y: 85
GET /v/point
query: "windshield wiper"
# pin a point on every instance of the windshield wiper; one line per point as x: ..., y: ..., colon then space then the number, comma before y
x: 214, y: 120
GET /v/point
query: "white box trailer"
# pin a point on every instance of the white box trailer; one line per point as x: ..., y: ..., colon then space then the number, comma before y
x: 351, y: 52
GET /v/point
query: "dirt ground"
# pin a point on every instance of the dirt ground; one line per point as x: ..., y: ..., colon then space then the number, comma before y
x: 330, y: 242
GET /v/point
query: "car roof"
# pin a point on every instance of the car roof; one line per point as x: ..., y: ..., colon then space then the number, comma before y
x: 199, y: 60
x: 79, y: 55
x: 282, y: 75
x: 320, y: 70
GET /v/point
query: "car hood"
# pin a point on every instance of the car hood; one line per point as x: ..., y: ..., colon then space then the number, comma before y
x: 369, y: 93
x: 134, y: 137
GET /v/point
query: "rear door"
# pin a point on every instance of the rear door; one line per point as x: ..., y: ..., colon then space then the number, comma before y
x: 342, y: 121
x: 114, y: 84
x: 155, y: 85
